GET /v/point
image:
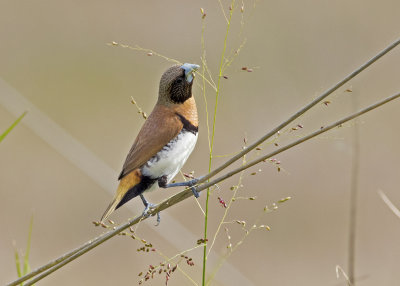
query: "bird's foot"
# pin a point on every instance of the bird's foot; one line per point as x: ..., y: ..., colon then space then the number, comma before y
x: 190, y: 184
x: 147, y: 207
x: 195, y: 192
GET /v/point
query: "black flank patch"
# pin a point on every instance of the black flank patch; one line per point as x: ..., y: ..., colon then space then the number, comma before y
x: 187, y: 125
x: 144, y: 184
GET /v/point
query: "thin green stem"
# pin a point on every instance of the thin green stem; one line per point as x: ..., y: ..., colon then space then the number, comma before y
x: 204, y: 68
x: 223, y: 11
x: 148, y: 51
x: 72, y: 255
x: 301, y: 111
x: 210, y: 83
x: 226, y: 256
x: 28, y: 248
x: 17, y: 261
x: 170, y: 259
x: 177, y: 198
x: 233, y: 198
x: 212, y: 140
x: 187, y: 275
x: 5, y: 133
x: 299, y: 141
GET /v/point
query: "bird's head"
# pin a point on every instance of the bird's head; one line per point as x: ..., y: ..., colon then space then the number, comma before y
x: 176, y: 83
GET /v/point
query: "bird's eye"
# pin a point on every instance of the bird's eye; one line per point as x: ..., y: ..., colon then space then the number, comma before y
x: 179, y: 80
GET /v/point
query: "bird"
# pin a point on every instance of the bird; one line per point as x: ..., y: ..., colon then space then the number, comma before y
x: 164, y: 143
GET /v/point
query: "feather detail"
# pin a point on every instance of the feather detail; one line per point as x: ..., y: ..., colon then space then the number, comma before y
x: 161, y: 126
x: 188, y: 110
x: 126, y: 183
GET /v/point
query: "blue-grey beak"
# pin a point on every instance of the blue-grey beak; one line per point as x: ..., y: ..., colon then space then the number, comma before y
x: 189, y: 70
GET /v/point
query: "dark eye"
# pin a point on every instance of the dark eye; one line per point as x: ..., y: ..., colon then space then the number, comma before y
x: 179, y: 80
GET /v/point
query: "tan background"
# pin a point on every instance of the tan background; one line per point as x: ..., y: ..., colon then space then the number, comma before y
x: 55, y: 55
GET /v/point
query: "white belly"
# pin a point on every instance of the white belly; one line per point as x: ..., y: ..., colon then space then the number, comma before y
x: 171, y: 158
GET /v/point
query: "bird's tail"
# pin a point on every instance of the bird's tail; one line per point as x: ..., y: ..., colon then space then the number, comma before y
x: 127, y: 183
x: 111, y: 207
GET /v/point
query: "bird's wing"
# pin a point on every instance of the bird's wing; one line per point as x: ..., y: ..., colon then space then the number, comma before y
x: 160, y: 127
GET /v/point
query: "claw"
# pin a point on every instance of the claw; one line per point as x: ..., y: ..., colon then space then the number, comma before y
x: 195, y: 192
x: 158, y: 219
x: 147, y: 208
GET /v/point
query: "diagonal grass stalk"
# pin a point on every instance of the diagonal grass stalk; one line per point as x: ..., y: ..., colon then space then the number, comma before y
x: 177, y: 198
x: 72, y: 255
x: 5, y: 133
x: 301, y: 111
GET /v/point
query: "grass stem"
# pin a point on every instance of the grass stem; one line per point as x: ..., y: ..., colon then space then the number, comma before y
x: 70, y: 256
x: 220, y: 74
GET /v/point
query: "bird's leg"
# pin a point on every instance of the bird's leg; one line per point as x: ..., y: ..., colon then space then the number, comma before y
x: 147, y: 207
x: 162, y: 183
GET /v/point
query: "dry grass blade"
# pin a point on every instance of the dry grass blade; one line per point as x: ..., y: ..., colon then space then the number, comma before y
x: 390, y: 205
x: 177, y: 198
x: 340, y: 270
x: 187, y: 193
x: 301, y: 140
x: 301, y: 111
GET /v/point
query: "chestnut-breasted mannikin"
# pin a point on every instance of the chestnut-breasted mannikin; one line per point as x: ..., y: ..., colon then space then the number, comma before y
x: 164, y: 143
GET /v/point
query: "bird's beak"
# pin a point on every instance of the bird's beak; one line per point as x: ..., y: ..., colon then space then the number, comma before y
x: 189, y: 71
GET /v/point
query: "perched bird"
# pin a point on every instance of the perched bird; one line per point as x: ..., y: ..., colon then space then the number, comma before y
x: 164, y: 143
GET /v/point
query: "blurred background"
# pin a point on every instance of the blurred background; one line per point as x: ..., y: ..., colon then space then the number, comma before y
x: 61, y: 164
